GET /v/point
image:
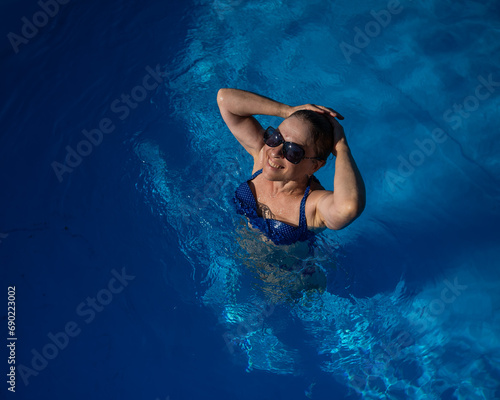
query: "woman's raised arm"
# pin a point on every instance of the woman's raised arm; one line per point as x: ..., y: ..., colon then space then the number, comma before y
x: 237, y: 108
x: 338, y: 209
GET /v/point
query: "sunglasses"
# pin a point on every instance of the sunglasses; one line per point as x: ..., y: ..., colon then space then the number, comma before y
x: 291, y: 151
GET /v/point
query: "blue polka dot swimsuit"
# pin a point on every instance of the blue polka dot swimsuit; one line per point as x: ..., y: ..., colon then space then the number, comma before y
x: 279, y: 232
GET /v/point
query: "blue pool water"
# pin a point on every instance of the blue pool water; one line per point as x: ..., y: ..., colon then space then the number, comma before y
x: 134, y: 277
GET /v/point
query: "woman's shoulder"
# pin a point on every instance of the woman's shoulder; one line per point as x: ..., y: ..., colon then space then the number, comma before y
x: 316, y: 194
x: 317, y: 191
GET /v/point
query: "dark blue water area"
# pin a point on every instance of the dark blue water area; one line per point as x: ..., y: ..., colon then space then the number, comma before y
x: 64, y: 242
x: 111, y: 284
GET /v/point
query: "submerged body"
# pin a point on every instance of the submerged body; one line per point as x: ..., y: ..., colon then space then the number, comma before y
x: 283, y: 199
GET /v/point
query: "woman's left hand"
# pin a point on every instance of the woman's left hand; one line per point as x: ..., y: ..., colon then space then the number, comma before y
x: 339, y: 138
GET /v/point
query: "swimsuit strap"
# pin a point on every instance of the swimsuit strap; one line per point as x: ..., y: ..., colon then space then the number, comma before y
x: 302, y: 220
x: 256, y: 174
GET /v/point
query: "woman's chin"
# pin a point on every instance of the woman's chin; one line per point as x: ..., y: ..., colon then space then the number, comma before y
x: 272, y: 174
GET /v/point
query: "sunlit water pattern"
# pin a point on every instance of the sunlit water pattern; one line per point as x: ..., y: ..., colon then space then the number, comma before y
x: 422, y: 163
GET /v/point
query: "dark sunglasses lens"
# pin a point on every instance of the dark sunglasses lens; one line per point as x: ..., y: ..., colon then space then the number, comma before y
x: 293, y: 153
x: 272, y: 137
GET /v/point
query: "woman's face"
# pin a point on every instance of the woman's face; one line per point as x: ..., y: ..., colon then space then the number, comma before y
x: 276, y: 167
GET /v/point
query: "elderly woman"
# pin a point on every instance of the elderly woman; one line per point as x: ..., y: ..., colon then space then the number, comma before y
x: 283, y: 198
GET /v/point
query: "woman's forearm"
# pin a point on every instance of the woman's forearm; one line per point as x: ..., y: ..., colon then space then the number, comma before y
x: 349, y: 189
x: 245, y: 104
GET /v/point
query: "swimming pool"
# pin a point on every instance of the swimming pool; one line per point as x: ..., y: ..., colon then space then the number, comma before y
x: 135, y: 278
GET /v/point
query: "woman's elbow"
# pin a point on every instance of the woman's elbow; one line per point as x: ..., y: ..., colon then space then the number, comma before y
x: 357, y: 207
x: 220, y: 95
x: 343, y: 216
x: 352, y: 209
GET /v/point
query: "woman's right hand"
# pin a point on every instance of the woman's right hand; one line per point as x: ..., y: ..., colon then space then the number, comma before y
x: 313, y: 107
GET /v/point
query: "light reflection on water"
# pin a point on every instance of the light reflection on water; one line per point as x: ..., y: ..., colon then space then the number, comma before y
x: 390, y: 343
x: 441, y: 340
